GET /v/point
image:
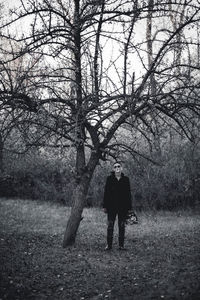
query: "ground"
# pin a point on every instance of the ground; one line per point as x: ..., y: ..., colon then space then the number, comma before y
x: 162, y: 260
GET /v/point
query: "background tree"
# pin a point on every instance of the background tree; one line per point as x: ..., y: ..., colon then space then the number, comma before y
x: 88, y: 85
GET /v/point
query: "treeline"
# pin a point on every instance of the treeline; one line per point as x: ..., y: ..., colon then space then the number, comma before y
x: 171, y: 181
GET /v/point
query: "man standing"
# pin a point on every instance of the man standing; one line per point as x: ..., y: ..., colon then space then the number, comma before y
x: 117, y: 202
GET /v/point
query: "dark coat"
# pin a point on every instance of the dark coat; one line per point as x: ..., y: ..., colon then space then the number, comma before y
x: 117, y: 194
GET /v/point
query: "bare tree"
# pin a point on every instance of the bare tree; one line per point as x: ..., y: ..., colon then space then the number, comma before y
x: 95, y: 75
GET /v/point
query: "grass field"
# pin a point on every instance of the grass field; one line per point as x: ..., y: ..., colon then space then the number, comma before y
x: 162, y: 260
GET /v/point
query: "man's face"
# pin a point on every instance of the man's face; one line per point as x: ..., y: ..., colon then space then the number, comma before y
x: 117, y: 169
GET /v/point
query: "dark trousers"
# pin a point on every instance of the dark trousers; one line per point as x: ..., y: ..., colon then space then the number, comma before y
x: 121, y: 227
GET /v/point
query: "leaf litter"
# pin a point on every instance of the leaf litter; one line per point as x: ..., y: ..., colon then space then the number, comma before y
x: 157, y: 265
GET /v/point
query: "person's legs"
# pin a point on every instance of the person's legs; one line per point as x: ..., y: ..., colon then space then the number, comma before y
x: 110, y: 228
x: 121, y: 226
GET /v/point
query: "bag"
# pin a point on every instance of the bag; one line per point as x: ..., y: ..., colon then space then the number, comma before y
x: 131, y: 218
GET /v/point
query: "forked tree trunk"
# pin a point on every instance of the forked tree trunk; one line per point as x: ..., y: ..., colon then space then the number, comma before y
x: 79, y: 200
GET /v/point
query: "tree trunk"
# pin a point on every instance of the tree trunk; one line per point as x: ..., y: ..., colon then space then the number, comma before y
x: 79, y: 199
x: 1, y: 154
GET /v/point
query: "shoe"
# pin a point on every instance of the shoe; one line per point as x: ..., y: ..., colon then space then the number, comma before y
x: 108, y: 248
x: 122, y: 248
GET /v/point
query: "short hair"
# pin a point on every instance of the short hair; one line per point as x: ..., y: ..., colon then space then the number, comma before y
x: 117, y: 162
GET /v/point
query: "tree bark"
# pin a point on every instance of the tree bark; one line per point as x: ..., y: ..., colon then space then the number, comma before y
x: 1, y: 154
x: 79, y: 199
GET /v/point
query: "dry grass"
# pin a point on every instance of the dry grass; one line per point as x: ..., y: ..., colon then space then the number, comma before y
x: 162, y: 261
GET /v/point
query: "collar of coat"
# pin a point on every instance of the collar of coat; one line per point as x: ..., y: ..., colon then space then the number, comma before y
x: 113, y: 174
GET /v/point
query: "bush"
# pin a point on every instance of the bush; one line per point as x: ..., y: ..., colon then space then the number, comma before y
x: 35, y: 176
x: 173, y: 184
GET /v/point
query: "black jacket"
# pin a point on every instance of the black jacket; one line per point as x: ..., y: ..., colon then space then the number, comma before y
x: 117, y: 194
